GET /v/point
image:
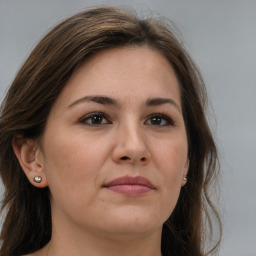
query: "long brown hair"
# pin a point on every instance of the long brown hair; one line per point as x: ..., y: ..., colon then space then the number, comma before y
x: 25, y: 109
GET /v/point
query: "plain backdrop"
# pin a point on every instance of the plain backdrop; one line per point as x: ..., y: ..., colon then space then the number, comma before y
x: 221, y: 37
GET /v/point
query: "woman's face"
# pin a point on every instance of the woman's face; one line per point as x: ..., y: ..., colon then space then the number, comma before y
x: 115, y: 146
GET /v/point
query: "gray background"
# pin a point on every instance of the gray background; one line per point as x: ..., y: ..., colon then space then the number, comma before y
x: 221, y: 36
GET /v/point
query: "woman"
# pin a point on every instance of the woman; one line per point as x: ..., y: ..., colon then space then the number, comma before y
x: 105, y: 148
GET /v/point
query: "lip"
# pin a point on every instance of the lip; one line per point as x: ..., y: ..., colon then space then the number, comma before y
x: 132, y: 186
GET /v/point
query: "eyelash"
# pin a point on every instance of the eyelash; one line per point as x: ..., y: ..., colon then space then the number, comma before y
x: 90, y: 117
x: 168, y: 120
x: 99, y: 116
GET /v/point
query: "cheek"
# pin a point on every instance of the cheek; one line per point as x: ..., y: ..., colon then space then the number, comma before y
x: 73, y: 161
x: 171, y: 155
x: 170, y: 158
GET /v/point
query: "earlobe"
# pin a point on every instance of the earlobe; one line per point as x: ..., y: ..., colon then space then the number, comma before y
x: 185, y: 172
x: 29, y: 156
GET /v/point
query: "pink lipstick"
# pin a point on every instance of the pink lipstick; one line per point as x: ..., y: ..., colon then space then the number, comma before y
x: 131, y: 186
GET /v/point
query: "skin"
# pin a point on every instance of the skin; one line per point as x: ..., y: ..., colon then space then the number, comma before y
x: 77, y: 157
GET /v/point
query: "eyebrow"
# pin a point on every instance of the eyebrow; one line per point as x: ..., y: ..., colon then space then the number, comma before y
x: 104, y: 100
x: 98, y: 99
x: 161, y: 101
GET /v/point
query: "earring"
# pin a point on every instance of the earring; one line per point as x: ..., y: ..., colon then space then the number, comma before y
x: 37, y: 179
x: 185, y: 178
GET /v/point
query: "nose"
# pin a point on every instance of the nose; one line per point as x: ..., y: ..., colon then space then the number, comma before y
x: 131, y: 146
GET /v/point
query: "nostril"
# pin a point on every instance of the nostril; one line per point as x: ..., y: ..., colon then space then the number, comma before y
x: 125, y: 158
x: 143, y: 159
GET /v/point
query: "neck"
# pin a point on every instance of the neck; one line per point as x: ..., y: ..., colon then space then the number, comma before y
x: 71, y: 238
x: 79, y: 243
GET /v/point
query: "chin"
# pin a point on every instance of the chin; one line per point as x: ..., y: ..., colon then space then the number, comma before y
x: 134, y: 221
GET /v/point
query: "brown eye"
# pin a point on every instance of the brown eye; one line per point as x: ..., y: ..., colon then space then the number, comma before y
x: 159, y: 120
x: 156, y: 120
x: 95, y: 119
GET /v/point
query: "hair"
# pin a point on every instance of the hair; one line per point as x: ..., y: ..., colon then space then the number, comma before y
x: 25, y: 109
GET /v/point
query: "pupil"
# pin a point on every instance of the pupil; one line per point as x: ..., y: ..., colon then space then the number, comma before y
x: 156, y: 120
x: 96, y: 119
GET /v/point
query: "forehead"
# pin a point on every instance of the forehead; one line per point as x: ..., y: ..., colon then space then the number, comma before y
x: 123, y: 72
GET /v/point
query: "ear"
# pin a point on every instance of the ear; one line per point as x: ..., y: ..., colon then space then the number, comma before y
x: 185, y: 172
x: 30, y: 158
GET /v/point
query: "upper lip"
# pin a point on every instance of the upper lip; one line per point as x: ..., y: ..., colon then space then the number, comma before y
x: 129, y: 180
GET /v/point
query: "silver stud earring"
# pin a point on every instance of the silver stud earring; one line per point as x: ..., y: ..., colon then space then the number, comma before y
x: 185, y: 178
x: 37, y: 179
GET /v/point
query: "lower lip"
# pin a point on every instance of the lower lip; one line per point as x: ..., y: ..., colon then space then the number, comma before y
x: 131, y: 190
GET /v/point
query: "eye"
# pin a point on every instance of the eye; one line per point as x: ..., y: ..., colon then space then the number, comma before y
x: 159, y: 120
x: 95, y: 119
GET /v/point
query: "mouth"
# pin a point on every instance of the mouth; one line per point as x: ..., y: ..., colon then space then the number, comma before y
x: 131, y: 186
